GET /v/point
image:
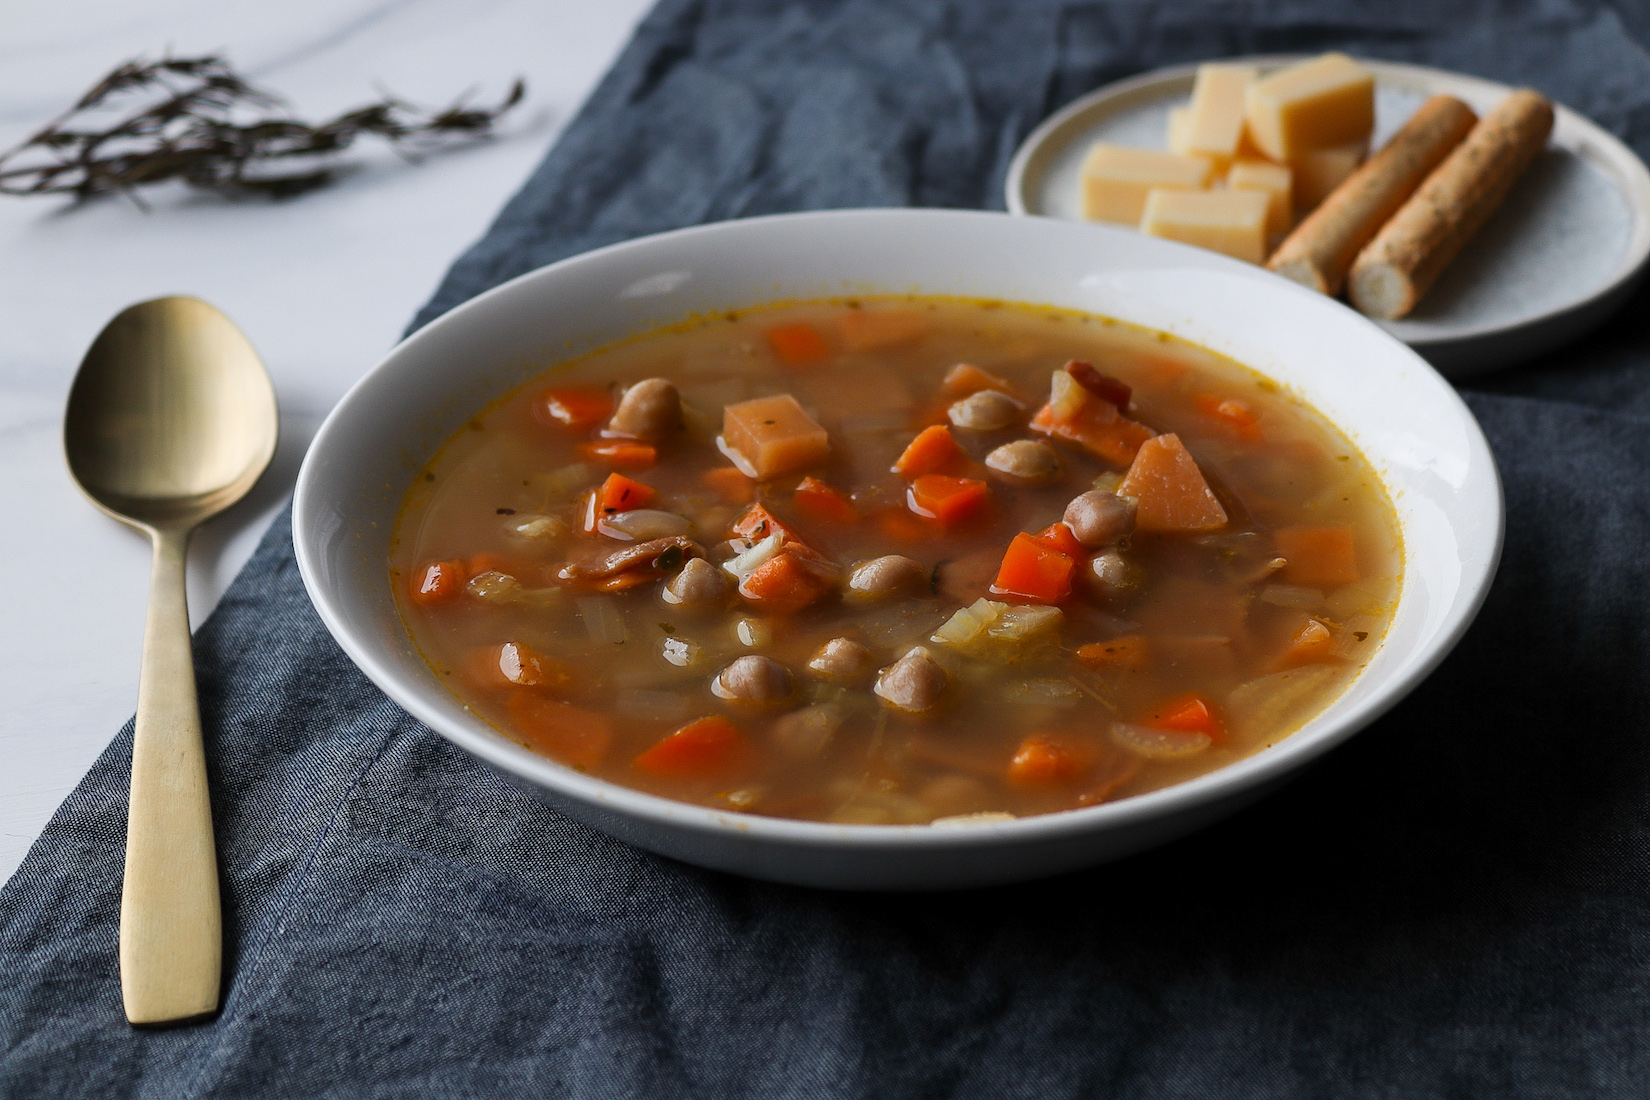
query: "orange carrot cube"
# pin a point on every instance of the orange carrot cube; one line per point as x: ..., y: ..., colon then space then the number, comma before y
x: 1172, y: 494
x: 706, y: 748
x: 1034, y: 570
x: 950, y: 500
x: 797, y: 344
x: 574, y: 407
x: 824, y: 503
x: 1318, y: 556
x: 561, y: 731
x: 933, y: 451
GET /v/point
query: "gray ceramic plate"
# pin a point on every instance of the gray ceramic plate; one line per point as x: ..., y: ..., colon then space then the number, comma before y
x: 1563, y: 252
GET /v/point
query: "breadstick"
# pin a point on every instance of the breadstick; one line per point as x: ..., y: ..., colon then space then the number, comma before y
x: 1321, y: 249
x: 1404, y: 259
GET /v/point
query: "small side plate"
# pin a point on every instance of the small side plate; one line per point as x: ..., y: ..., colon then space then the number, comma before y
x: 1561, y: 254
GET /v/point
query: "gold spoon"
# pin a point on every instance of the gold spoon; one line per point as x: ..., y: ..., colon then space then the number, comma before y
x: 171, y: 420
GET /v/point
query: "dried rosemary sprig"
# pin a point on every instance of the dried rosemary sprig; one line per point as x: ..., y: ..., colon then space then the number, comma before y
x: 193, y: 126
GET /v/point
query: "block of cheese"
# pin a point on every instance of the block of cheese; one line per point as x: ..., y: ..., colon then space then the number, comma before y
x: 1178, y: 118
x: 1214, y: 124
x: 1272, y: 180
x: 1116, y: 180
x: 1317, y: 104
x: 1233, y: 222
x: 1317, y: 172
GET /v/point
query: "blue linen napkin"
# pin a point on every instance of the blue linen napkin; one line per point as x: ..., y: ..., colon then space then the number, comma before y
x: 1453, y: 904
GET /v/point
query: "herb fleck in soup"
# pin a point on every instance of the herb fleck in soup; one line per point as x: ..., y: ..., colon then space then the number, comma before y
x: 898, y: 560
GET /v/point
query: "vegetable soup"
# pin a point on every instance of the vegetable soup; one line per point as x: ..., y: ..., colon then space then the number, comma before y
x: 898, y: 561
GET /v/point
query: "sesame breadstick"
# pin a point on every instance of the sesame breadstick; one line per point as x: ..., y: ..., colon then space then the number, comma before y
x: 1404, y: 259
x: 1321, y: 249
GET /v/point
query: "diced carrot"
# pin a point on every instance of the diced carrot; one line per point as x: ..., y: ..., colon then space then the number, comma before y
x: 574, y: 407
x: 1033, y: 570
x: 1310, y: 645
x: 824, y: 504
x: 901, y: 526
x: 620, y: 494
x: 729, y: 483
x: 797, y: 344
x: 758, y: 523
x: 774, y: 435
x: 933, y: 451
x: 706, y: 748
x: 621, y: 582
x: 1172, y: 494
x: 1103, y: 386
x: 784, y: 585
x: 1318, y: 557
x: 437, y: 582
x: 561, y: 731
x: 1045, y: 761
x: 873, y: 329
x: 623, y: 454
x: 516, y: 664
x: 966, y: 379
x: 488, y: 561
x: 1097, y: 427
x: 1234, y: 415
x: 950, y: 500
x: 1059, y: 537
x: 1188, y: 714
x: 1128, y: 653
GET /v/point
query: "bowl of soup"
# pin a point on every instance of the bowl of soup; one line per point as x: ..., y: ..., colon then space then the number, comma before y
x: 898, y: 549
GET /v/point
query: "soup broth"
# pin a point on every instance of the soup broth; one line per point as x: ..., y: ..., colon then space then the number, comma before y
x: 897, y: 561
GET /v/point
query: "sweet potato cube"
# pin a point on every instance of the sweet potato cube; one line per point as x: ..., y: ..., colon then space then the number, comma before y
x: 1173, y: 496
x: 773, y: 435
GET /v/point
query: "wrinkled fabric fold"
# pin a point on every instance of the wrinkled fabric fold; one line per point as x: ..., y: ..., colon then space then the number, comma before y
x: 1453, y: 904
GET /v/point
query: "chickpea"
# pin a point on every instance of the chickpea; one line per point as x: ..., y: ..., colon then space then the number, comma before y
x: 699, y: 584
x: 985, y: 411
x: 1110, y: 575
x: 914, y: 683
x: 753, y: 680
x: 842, y: 660
x: 880, y: 578
x: 1100, y: 519
x: 1025, y: 462
x: 650, y: 409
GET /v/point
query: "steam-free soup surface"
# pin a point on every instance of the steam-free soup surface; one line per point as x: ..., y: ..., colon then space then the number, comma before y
x: 897, y: 561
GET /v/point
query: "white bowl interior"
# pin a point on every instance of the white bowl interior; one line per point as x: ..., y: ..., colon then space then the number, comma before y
x: 1410, y: 424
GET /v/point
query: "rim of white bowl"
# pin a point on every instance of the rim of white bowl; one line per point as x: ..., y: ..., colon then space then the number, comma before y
x: 1272, y: 764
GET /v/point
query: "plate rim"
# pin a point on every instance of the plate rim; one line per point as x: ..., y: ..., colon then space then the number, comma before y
x: 1573, y: 131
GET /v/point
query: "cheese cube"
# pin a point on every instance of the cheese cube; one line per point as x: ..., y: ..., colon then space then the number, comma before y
x: 1317, y: 172
x: 1272, y: 180
x: 1317, y: 104
x: 1178, y: 117
x: 1214, y: 128
x: 1116, y: 180
x: 1233, y: 222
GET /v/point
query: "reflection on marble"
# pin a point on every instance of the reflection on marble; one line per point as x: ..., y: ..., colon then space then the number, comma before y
x: 322, y: 285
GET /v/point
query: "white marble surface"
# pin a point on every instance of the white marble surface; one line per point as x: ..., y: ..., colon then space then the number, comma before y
x: 323, y: 285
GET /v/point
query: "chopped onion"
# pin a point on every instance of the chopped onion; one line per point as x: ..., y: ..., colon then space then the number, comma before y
x: 681, y: 652
x: 740, y: 461
x: 1271, y: 702
x: 565, y: 481
x: 1159, y: 744
x: 754, y: 558
x: 1066, y: 396
x: 1292, y: 595
x: 494, y: 587
x: 602, y: 619
x: 536, y: 527
x: 644, y: 524
x: 969, y: 622
x: 1021, y: 622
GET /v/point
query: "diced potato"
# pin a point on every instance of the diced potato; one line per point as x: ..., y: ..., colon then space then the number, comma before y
x: 1214, y: 124
x: 1233, y: 222
x: 1116, y: 180
x: 1318, y: 104
x: 773, y: 435
x: 1275, y: 181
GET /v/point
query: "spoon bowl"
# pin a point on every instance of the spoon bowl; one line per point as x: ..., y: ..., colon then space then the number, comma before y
x: 171, y: 420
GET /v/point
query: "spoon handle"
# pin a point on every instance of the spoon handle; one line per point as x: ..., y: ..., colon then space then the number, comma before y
x: 171, y: 926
